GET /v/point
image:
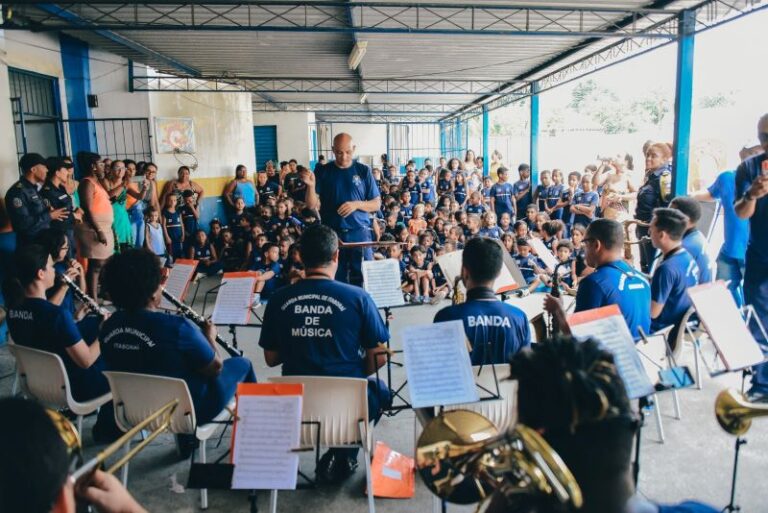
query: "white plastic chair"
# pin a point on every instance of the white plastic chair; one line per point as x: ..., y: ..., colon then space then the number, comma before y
x: 340, y: 405
x: 688, y: 328
x: 136, y: 396
x: 42, y: 375
x: 501, y: 412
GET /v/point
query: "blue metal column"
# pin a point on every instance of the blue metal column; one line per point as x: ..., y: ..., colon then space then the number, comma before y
x: 456, y: 138
x: 683, y: 102
x: 77, y: 84
x: 442, y: 139
x: 388, y: 156
x: 534, y: 147
x: 486, y: 135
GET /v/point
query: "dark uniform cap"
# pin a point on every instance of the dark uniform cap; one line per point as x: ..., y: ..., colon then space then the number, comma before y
x: 30, y: 160
x: 56, y: 163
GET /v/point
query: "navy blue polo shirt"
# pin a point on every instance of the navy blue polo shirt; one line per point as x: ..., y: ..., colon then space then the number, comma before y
x: 590, y: 198
x: 157, y: 343
x: 415, y: 190
x: 335, y: 186
x: 670, y: 283
x: 736, y: 229
x: 519, y: 186
x: 757, y: 248
x: 40, y: 324
x: 495, y: 330
x: 696, y: 245
x: 553, y: 195
x: 502, y: 197
x: 460, y: 193
x: 427, y: 190
x: 618, y: 283
x: 475, y: 209
x: 322, y: 327
x: 272, y: 284
x: 266, y: 191
x: 527, y: 266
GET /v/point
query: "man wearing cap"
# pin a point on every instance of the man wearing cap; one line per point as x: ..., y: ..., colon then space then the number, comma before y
x: 55, y: 196
x: 26, y: 209
x: 345, y: 193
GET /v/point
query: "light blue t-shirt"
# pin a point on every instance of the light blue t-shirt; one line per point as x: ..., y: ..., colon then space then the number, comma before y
x: 736, y: 229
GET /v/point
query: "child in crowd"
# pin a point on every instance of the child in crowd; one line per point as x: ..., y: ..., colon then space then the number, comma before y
x: 473, y: 226
x: 566, y: 269
x: 229, y: 255
x: 485, y: 191
x: 460, y: 190
x: 521, y: 230
x: 522, y: 187
x: 529, y: 265
x: 530, y: 218
x: 578, y: 232
x: 214, y: 231
x: 475, y: 204
x: 419, y: 276
x: 584, y: 203
x: 205, y: 253
x: 551, y: 233
x: 417, y: 224
x: 489, y: 228
x: 269, y: 270
x: 234, y: 221
x: 173, y: 228
x: 508, y: 241
x: 189, y: 217
x: 154, y: 235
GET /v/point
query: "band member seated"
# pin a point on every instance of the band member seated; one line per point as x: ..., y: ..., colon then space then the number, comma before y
x: 35, y: 467
x: 322, y: 327
x: 676, y: 272
x: 34, y: 321
x: 614, y: 281
x: 138, y: 338
x: 571, y: 393
x: 694, y: 242
x: 495, y: 330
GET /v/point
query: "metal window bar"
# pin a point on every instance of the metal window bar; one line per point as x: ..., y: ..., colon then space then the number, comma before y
x: 117, y: 138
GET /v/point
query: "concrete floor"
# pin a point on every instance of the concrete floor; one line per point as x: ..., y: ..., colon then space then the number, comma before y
x: 694, y: 463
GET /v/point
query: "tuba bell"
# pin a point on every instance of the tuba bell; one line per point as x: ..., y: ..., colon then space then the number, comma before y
x: 463, y: 459
x: 734, y: 413
x: 458, y: 296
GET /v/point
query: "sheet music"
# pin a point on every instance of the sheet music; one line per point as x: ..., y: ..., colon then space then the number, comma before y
x: 726, y: 328
x: 450, y: 263
x: 437, y: 364
x: 612, y: 333
x: 178, y: 281
x: 268, y: 429
x: 544, y: 254
x: 381, y: 279
x: 234, y: 300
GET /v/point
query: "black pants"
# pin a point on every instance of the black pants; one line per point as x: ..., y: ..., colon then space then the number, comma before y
x: 647, y: 251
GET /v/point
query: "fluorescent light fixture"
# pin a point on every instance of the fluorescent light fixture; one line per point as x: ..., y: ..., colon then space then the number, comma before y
x: 363, y: 97
x: 357, y: 54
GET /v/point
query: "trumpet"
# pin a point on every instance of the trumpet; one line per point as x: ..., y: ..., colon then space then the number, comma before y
x: 161, y: 420
x: 199, y: 320
x: 463, y: 459
x: 84, y: 298
x: 734, y: 413
x: 629, y: 243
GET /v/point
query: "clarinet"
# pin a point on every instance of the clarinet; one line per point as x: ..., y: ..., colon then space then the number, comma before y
x: 84, y: 298
x: 198, y: 319
x: 554, y: 291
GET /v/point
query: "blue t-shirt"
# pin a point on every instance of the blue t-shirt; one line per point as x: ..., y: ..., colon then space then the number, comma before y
x: 495, y: 330
x: 460, y: 193
x: 202, y: 252
x: 696, y: 245
x: 590, y: 198
x: 554, y: 193
x: 527, y: 266
x: 494, y: 232
x: 475, y: 209
x: 502, y: 194
x: 189, y: 220
x: 266, y: 191
x: 173, y: 223
x: 746, y: 173
x: 272, y: 284
x: 245, y: 190
x: 520, y: 186
x: 736, y: 230
x: 427, y: 190
x: 443, y: 186
x: 160, y: 344
x: 617, y: 283
x: 670, y: 283
x: 415, y: 190
x: 322, y: 328
x: 40, y: 324
x: 335, y: 186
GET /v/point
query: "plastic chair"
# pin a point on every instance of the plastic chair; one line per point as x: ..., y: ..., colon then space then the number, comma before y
x: 503, y: 411
x: 42, y: 375
x: 136, y: 396
x: 335, y: 414
x: 691, y: 329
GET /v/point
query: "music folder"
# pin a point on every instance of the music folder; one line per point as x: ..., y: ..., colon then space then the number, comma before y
x: 177, y: 284
x: 234, y: 299
x: 381, y: 279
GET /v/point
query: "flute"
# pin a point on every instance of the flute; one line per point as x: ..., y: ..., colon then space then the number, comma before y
x: 87, y: 300
x: 198, y: 319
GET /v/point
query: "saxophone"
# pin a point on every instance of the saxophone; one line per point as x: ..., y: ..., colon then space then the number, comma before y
x: 458, y: 296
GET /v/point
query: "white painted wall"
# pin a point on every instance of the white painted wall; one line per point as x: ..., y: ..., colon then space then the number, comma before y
x: 8, y: 165
x: 370, y: 140
x: 109, y: 81
x: 292, y: 133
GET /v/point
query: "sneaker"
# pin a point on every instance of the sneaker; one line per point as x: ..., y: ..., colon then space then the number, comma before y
x: 415, y: 300
x: 185, y: 445
x: 439, y: 297
x: 335, y: 468
x: 198, y: 277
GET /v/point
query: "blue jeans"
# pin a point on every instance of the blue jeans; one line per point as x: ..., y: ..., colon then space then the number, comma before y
x: 731, y: 270
x: 136, y: 214
x: 222, y: 389
x: 756, y: 294
x: 351, y: 259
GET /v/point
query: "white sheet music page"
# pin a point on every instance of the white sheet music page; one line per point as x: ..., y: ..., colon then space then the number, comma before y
x: 381, y: 279
x: 612, y: 332
x: 234, y: 300
x: 437, y: 364
x: 268, y: 429
x: 544, y: 254
x: 178, y: 281
x: 718, y: 312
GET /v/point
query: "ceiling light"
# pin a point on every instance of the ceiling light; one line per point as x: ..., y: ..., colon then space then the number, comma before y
x: 357, y: 54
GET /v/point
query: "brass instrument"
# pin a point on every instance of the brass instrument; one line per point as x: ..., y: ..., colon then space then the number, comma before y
x: 629, y: 243
x: 161, y: 419
x: 734, y: 413
x: 463, y: 459
x: 458, y: 296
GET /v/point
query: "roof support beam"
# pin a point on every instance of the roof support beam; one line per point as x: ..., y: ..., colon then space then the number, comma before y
x: 435, y: 109
x: 683, y: 103
x: 381, y: 17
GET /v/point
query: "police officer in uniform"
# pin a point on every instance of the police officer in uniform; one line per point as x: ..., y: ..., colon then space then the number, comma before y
x: 55, y: 196
x: 495, y: 330
x: 321, y: 327
x: 655, y: 192
x: 345, y: 193
x: 752, y: 191
x: 26, y: 209
x: 614, y: 281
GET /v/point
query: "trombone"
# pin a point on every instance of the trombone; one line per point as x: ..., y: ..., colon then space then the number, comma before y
x: 71, y: 439
x: 735, y: 413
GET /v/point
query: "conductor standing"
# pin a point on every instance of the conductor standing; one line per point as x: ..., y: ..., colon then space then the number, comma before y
x: 345, y: 193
